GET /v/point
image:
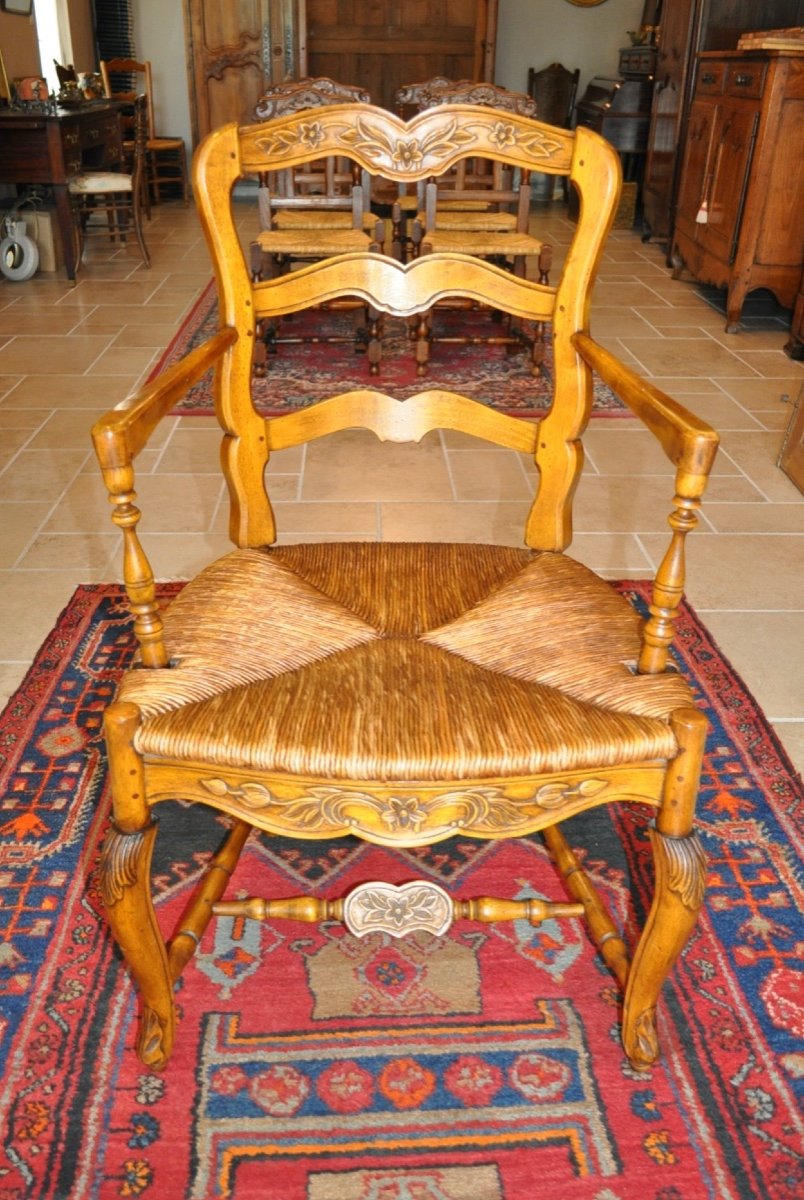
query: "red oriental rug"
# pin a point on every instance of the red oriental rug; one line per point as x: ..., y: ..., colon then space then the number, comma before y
x: 300, y: 375
x: 310, y: 1066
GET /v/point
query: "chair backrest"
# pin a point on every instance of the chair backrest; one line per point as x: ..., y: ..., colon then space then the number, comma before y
x: 333, y: 182
x: 466, y: 91
x: 139, y: 76
x: 428, y: 145
x: 554, y: 89
x: 295, y: 95
x: 477, y: 179
x: 408, y: 99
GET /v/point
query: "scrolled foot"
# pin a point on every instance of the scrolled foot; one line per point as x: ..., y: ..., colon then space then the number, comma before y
x: 641, y: 1044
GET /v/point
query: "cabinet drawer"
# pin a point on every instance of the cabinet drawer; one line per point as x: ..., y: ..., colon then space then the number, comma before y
x: 746, y: 79
x: 710, y: 78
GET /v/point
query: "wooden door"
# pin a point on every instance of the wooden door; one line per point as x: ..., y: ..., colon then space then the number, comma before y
x: 381, y: 45
x: 233, y: 50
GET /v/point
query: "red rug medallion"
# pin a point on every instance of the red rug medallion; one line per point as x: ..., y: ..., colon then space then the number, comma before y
x: 312, y: 1066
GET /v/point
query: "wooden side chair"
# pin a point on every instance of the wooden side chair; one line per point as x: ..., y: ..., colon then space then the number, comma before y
x: 403, y: 693
x: 465, y: 175
x: 110, y: 203
x: 167, y: 155
x: 482, y: 208
x: 310, y: 212
x: 554, y: 90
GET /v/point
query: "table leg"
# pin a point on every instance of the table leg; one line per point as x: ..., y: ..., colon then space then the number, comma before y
x: 64, y: 215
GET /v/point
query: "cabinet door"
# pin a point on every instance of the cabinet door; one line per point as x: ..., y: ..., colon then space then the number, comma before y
x: 695, y: 171
x: 236, y: 48
x: 679, y: 32
x: 732, y: 148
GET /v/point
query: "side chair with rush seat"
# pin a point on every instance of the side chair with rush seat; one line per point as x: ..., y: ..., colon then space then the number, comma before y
x: 313, y: 211
x: 110, y: 203
x: 482, y: 208
x: 403, y: 693
x: 167, y: 154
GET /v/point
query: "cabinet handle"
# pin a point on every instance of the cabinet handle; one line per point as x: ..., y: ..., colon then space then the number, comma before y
x: 743, y: 80
x: 708, y: 77
x: 71, y: 138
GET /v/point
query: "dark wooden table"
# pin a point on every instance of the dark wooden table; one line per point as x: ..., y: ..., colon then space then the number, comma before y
x: 50, y: 148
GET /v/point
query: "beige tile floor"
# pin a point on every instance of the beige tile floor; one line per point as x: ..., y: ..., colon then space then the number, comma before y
x: 68, y: 353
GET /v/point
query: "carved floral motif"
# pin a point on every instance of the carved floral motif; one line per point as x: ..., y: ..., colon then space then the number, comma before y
x: 686, y: 868
x: 384, y: 908
x: 384, y: 150
x: 330, y: 809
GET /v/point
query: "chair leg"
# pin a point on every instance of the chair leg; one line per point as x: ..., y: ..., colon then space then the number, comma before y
x: 125, y: 880
x: 125, y: 873
x: 678, y: 892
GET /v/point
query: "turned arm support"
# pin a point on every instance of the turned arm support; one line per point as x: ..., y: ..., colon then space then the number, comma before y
x: 691, y: 445
x: 118, y: 438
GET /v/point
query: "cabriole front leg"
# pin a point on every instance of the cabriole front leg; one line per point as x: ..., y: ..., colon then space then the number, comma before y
x: 125, y: 879
x: 680, y: 868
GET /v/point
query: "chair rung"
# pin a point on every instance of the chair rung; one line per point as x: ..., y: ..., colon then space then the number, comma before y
x: 385, y: 908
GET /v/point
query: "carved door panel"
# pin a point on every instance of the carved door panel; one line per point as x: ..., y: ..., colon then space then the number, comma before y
x: 732, y: 149
x: 382, y: 44
x: 696, y: 167
x: 233, y: 50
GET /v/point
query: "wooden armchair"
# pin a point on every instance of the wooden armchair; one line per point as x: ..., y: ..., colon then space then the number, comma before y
x: 403, y: 693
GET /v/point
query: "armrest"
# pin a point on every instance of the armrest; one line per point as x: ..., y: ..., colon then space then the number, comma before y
x: 688, y: 442
x: 122, y: 432
x: 691, y: 445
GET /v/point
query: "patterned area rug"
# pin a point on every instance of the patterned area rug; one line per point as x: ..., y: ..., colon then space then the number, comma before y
x: 311, y: 1066
x: 301, y: 375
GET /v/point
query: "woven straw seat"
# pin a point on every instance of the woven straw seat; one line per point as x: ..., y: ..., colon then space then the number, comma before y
x: 480, y: 220
x: 316, y: 241
x: 403, y: 693
x: 456, y: 671
x: 299, y: 218
x: 497, y: 244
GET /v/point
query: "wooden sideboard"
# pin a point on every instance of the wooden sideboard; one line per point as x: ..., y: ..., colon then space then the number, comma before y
x: 740, y: 216
x: 50, y: 148
x: 686, y: 28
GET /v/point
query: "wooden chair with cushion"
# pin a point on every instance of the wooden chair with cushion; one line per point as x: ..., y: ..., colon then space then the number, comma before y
x: 110, y: 202
x: 167, y: 155
x: 403, y: 693
x: 312, y: 211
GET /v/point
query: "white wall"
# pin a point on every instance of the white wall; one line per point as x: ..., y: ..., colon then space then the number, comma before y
x: 159, y: 36
x: 531, y: 33
x: 535, y: 33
